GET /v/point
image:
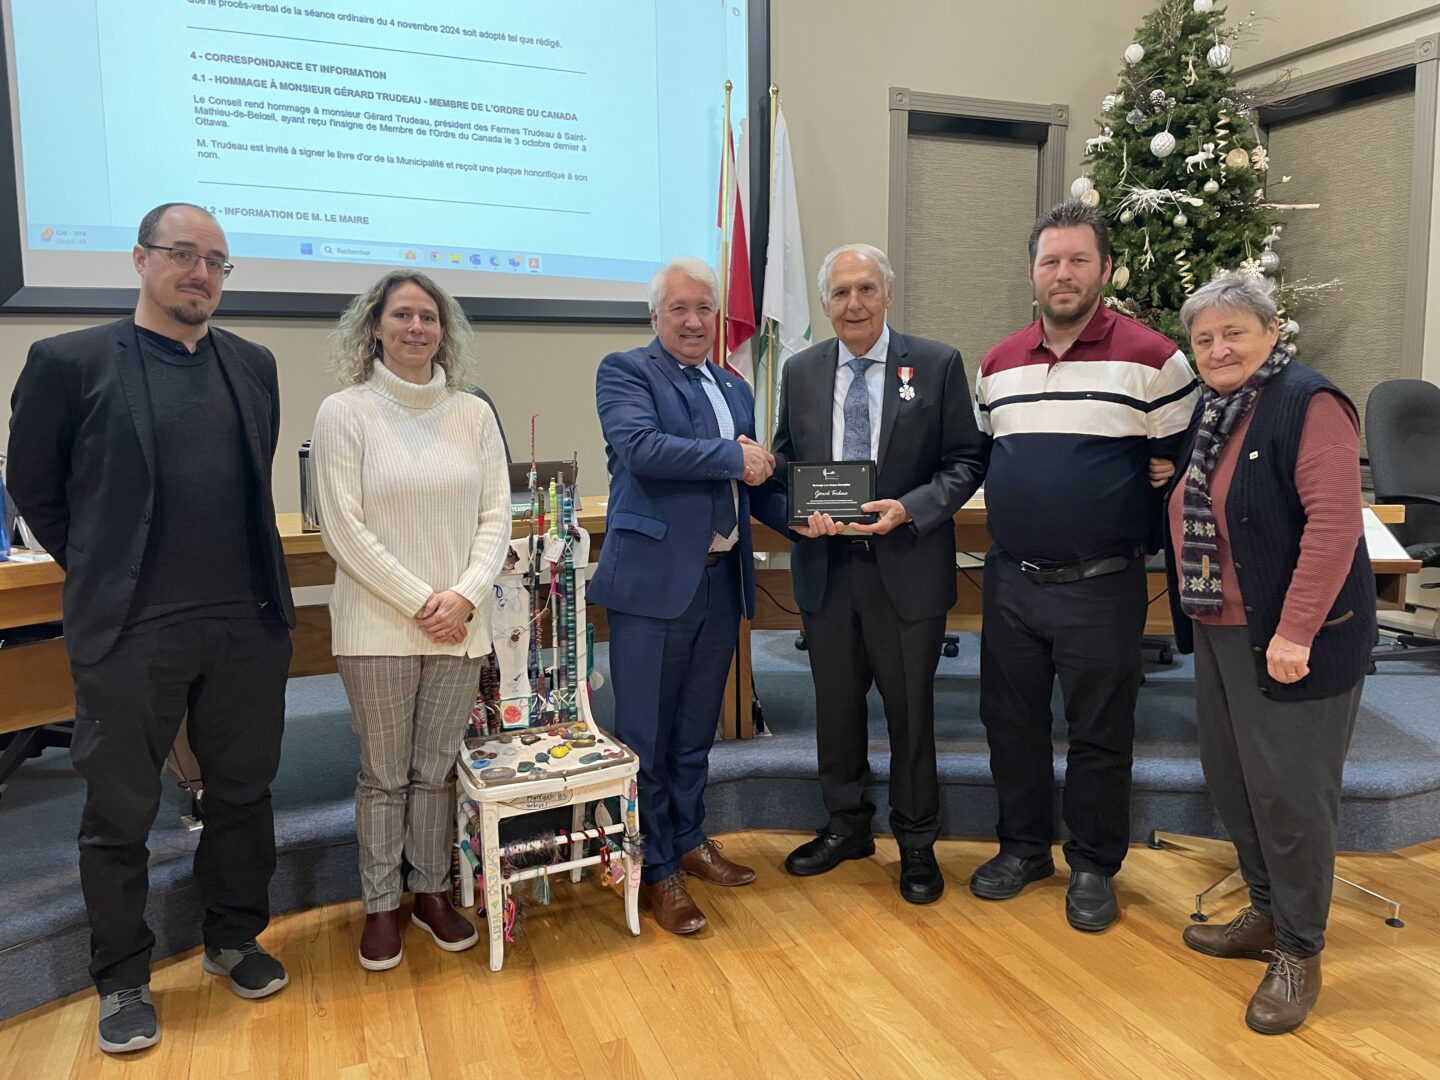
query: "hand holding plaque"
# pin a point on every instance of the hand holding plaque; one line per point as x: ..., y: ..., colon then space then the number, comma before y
x: 836, y: 488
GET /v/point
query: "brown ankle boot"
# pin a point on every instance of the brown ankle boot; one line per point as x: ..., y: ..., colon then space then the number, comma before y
x: 435, y: 914
x: 1286, y: 994
x: 706, y: 863
x: 1249, y: 935
x: 380, y: 945
x: 674, y: 910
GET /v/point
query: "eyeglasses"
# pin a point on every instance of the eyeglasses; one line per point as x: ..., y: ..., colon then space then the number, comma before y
x: 186, y: 259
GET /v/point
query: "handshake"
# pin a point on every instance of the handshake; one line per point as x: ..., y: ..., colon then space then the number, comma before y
x: 759, y: 462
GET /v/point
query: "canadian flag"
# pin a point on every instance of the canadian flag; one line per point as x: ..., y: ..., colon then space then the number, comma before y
x: 738, y: 308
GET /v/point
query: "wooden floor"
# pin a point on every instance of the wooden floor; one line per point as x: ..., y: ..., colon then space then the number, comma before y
x: 831, y: 976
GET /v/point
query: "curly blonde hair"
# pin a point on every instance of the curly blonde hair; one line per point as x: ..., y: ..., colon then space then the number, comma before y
x: 354, y: 347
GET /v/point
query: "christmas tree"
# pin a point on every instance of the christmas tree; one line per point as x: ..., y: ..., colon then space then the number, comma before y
x: 1177, y: 166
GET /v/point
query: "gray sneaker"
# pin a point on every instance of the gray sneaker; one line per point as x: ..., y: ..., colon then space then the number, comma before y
x: 253, y: 972
x: 127, y: 1021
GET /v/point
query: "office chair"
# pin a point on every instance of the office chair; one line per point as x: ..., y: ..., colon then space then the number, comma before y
x: 1402, y: 432
x: 483, y: 396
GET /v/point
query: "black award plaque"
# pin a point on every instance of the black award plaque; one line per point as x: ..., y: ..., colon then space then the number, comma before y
x: 837, y: 488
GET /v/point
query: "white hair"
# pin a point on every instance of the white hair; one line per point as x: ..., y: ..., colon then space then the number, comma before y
x: 868, y: 251
x: 1230, y: 290
x: 695, y: 269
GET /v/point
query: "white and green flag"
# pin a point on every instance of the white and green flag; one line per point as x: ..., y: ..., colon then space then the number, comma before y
x: 786, y: 304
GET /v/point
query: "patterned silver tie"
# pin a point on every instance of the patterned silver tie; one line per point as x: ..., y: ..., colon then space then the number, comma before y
x: 722, y: 515
x: 856, y: 445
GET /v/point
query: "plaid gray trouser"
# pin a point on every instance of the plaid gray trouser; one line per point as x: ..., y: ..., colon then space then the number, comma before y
x: 410, y: 713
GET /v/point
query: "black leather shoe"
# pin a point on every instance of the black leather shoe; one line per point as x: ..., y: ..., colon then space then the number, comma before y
x: 1005, y: 875
x: 1090, y: 901
x: 920, y: 878
x: 827, y: 851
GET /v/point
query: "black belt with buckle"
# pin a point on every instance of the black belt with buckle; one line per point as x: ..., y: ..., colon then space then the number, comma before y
x: 713, y: 558
x: 1080, y: 571
x: 861, y: 546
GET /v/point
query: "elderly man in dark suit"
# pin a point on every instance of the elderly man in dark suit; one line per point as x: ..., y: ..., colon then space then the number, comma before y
x: 140, y: 455
x: 675, y: 573
x: 874, y: 596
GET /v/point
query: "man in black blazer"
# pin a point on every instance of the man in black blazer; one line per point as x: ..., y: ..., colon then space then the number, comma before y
x: 874, y: 597
x: 140, y: 455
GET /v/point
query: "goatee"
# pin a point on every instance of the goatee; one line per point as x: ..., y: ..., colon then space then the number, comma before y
x: 189, y: 314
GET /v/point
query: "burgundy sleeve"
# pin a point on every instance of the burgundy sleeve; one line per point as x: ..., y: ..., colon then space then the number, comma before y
x: 1327, y: 479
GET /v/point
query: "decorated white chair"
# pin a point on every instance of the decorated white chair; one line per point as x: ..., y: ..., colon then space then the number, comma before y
x: 540, y: 748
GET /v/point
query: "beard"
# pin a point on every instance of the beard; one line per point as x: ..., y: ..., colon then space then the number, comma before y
x: 1081, y: 312
x: 192, y: 313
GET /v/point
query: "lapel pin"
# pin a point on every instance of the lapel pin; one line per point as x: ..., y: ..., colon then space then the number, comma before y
x: 1254, y: 454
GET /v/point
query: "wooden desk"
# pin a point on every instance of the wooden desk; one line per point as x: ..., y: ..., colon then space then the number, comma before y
x: 774, y: 612
x: 36, y: 678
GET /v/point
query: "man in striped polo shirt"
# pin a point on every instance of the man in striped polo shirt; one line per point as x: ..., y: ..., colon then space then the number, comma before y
x: 1081, y: 406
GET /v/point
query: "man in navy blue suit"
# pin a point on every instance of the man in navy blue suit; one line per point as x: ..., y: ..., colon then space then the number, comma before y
x: 675, y: 572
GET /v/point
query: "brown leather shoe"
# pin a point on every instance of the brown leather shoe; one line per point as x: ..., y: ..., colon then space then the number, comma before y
x: 1247, y: 936
x: 435, y: 914
x: 1286, y: 994
x: 380, y: 945
x: 706, y: 863
x: 672, y: 906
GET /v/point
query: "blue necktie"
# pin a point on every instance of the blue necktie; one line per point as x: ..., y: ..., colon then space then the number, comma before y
x: 722, y: 510
x: 856, y: 445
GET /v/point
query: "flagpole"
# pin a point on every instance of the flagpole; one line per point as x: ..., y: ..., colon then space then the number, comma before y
x: 771, y: 387
x: 726, y: 209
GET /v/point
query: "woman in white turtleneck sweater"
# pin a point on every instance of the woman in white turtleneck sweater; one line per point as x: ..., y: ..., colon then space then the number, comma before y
x: 415, y: 508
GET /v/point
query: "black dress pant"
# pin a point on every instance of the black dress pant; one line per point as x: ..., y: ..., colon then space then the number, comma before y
x: 1088, y: 633
x: 856, y: 639
x: 228, y: 675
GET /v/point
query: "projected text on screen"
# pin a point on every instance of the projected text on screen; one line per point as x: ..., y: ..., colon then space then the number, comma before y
x: 560, y: 140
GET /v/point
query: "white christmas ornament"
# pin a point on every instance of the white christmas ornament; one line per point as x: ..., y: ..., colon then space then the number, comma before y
x: 1269, y: 261
x: 1219, y: 55
x: 1090, y: 197
x: 1292, y: 328
x: 1136, y: 117
x: 1109, y: 101
x: 1099, y: 142
x: 1080, y: 185
x: 1201, y: 158
x: 1157, y: 96
x: 1121, y: 277
x: 1163, y: 144
x: 1134, y: 53
x: 1203, y: 7
x: 1127, y: 216
x: 1181, y: 220
x: 1211, y: 187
